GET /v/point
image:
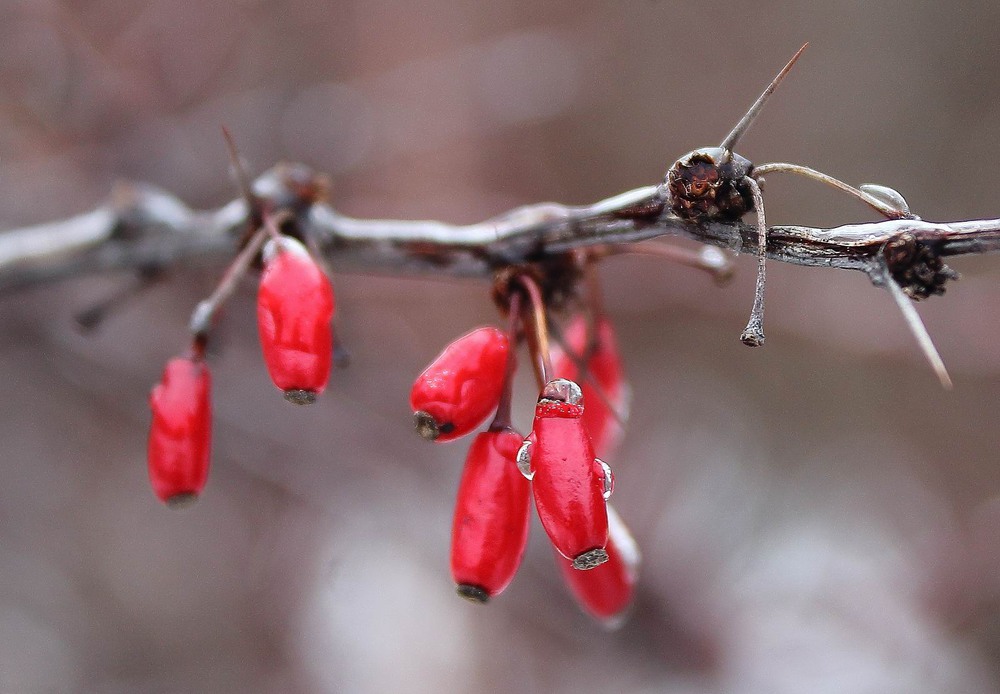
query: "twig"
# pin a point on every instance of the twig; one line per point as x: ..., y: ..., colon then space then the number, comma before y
x: 144, y: 228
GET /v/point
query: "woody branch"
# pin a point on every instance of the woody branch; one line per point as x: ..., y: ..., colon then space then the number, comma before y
x: 147, y: 231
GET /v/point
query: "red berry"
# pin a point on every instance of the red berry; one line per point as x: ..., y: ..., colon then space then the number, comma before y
x: 606, y: 591
x: 492, y: 514
x: 570, y: 485
x: 181, y: 432
x: 462, y: 386
x: 294, y: 307
x: 607, y: 403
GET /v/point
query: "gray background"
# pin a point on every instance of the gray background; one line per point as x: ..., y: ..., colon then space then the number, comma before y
x: 815, y: 516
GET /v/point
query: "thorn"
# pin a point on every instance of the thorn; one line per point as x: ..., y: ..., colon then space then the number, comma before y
x: 242, y: 179
x: 733, y: 137
x: 918, y: 329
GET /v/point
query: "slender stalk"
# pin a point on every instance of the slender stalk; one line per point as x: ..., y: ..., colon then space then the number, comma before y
x: 888, y: 211
x: 204, y: 312
x: 502, y: 420
x: 753, y: 334
x: 540, y: 330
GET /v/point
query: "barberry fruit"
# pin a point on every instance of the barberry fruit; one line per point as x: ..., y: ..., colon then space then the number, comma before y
x: 606, y: 591
x: 294, y: 307
x: 603, y: 383
x: 461, y: 387
x: 492, y: 514
x: 181, y: 431
x: 569, y: 484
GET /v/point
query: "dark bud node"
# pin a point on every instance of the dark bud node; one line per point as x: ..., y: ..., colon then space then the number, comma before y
x: 708, y: 184
x: 916, y: 267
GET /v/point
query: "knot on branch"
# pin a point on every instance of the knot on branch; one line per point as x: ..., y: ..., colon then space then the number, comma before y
x: 286, y: 192
x: 295, y: 187
x: 916, y: 266
x: 558, y: 279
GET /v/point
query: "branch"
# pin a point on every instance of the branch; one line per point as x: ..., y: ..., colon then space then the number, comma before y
x: 146, y: 231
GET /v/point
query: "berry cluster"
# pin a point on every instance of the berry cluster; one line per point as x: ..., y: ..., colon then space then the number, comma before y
x: 295, y: 307
x: 583, y: 398
x: 578, y: 415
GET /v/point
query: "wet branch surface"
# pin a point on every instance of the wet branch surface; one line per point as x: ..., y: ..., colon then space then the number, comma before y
x: 146, y: 231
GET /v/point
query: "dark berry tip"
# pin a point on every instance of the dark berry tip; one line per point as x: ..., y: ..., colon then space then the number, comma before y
x: 300, y: 397
x: 426, y: 425
x: 473, y: 593
x: 591, y: 559
x: 182, y: 500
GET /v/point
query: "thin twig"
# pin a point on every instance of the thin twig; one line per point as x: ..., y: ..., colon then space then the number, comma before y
x: 151, y: 229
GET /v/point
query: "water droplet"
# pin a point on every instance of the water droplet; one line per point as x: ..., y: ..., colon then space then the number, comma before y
x: 887, y: 196
x: 524, y: 460
x: 607, y: 478
x: 562, y: 390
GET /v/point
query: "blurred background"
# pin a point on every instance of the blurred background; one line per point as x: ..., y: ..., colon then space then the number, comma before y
x: 816, y: 516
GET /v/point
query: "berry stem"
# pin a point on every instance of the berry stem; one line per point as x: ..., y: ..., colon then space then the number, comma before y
x: 204, y: 312
x: 540, y: 332
x: 502, y: 419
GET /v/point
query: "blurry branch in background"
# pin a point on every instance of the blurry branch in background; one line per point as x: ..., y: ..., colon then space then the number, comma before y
x: 148, y: 232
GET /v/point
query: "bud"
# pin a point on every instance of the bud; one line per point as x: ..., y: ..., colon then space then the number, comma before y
x: 568, y: 482
x: 181, y: 431
x: 461, y: 387
x: 492, y: 514
x: 294, y: 307
x: 604, y: 386
x: 605, y: 592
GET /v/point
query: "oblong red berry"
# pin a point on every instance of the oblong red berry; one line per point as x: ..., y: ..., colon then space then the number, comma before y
x: 295, y: 304
x: 462, y: 386
x: 606, y: 591
x: 492, y: 517
x: 605, y: 389
x: 568, y: 483
x: 181, y: 432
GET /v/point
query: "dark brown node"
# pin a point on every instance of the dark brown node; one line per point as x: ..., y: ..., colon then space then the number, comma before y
x: 709, y: 183
x: 916, y: 267
x: 558, y: 279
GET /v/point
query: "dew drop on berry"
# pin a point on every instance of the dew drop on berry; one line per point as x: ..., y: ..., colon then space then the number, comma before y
x: 524, y: 460
x: 607, y: 479
x: 562, y: 390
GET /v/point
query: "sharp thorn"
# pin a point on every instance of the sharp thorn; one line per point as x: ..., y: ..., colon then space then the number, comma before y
x: 733, y: 137
x: 919, y: 330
